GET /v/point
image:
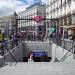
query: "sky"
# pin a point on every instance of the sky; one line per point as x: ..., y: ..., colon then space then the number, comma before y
x: 9, y: 6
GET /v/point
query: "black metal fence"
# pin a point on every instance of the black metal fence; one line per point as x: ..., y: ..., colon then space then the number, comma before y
x: 65, y: 44
x: 9, y: 44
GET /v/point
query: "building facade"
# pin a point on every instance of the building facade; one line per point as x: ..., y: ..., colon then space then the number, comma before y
x: 31, y: 26
x: 65, y: 11
x: 8, y: 24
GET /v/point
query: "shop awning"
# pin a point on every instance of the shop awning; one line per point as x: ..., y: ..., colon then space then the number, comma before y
x: 69, y: 27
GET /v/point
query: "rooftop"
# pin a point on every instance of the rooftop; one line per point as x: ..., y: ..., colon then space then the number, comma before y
x: 37, y: 4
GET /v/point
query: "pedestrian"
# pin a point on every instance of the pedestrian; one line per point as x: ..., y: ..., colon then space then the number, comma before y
x: 51, y: 36
x: 73, y: 38
x: 30, y: 58
x: 15, y: 38
x: 1, y: 42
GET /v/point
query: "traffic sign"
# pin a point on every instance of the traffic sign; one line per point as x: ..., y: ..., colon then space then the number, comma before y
x: 52, y: 29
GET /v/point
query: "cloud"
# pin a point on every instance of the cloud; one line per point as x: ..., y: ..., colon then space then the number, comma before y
x: 30, y: 2
x: 21, y: 8
x: 45, y: 1
x: 9, y: 6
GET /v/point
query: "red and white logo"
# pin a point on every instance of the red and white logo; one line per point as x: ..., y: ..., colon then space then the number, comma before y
x: 37, y: 18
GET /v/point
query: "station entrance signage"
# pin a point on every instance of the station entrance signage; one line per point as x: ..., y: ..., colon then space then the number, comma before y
x: 37, y: 18
x: 39, y: 54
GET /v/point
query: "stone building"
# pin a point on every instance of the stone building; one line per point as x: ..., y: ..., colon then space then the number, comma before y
x: 65, y: 11
x: 31, y: 26
x: 8, y: 24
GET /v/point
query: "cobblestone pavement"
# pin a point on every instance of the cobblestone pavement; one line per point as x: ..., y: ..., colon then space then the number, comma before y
x: 42, y: 68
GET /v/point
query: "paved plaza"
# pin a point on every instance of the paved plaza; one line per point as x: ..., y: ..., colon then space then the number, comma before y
x: 42, y: 68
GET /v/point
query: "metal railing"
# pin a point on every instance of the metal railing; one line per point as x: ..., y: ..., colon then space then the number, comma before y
x: 66, y: 55
x: 7, y: 44
x: 65, y: 44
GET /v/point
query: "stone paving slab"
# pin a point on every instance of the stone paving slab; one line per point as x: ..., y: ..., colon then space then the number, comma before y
x: 41, y: 68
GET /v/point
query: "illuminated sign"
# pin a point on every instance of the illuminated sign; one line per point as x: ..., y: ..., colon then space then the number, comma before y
x: 39, y: 54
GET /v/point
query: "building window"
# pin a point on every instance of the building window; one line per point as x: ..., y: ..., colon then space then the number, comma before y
x: 64, y: 2
x: 61, y: 22
x: 65, y: 21
x: 69, y: 20
x: 61, y: 3
x: 68, y: 0
x: 18, y: 22
x: 48, y: 24
x: 40, y: 28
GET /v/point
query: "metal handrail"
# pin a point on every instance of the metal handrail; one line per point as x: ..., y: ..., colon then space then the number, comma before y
x: 11, y: 55
x: 63, y: 43
x: 63, y: 56
x: 65, y: 46
x: 66, y: 54
x: 66, y: 57
x: 4, y: 44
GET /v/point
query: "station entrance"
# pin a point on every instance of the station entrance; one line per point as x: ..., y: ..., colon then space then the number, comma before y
x: 37, y: 51
x: 37, y: 33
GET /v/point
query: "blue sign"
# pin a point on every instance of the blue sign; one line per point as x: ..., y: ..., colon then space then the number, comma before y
x: 39, y: 54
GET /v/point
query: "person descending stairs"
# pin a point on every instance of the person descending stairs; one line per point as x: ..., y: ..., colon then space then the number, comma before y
x: 30, y: 59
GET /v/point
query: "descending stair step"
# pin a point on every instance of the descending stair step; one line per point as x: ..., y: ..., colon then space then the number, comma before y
x: 42, y: 68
